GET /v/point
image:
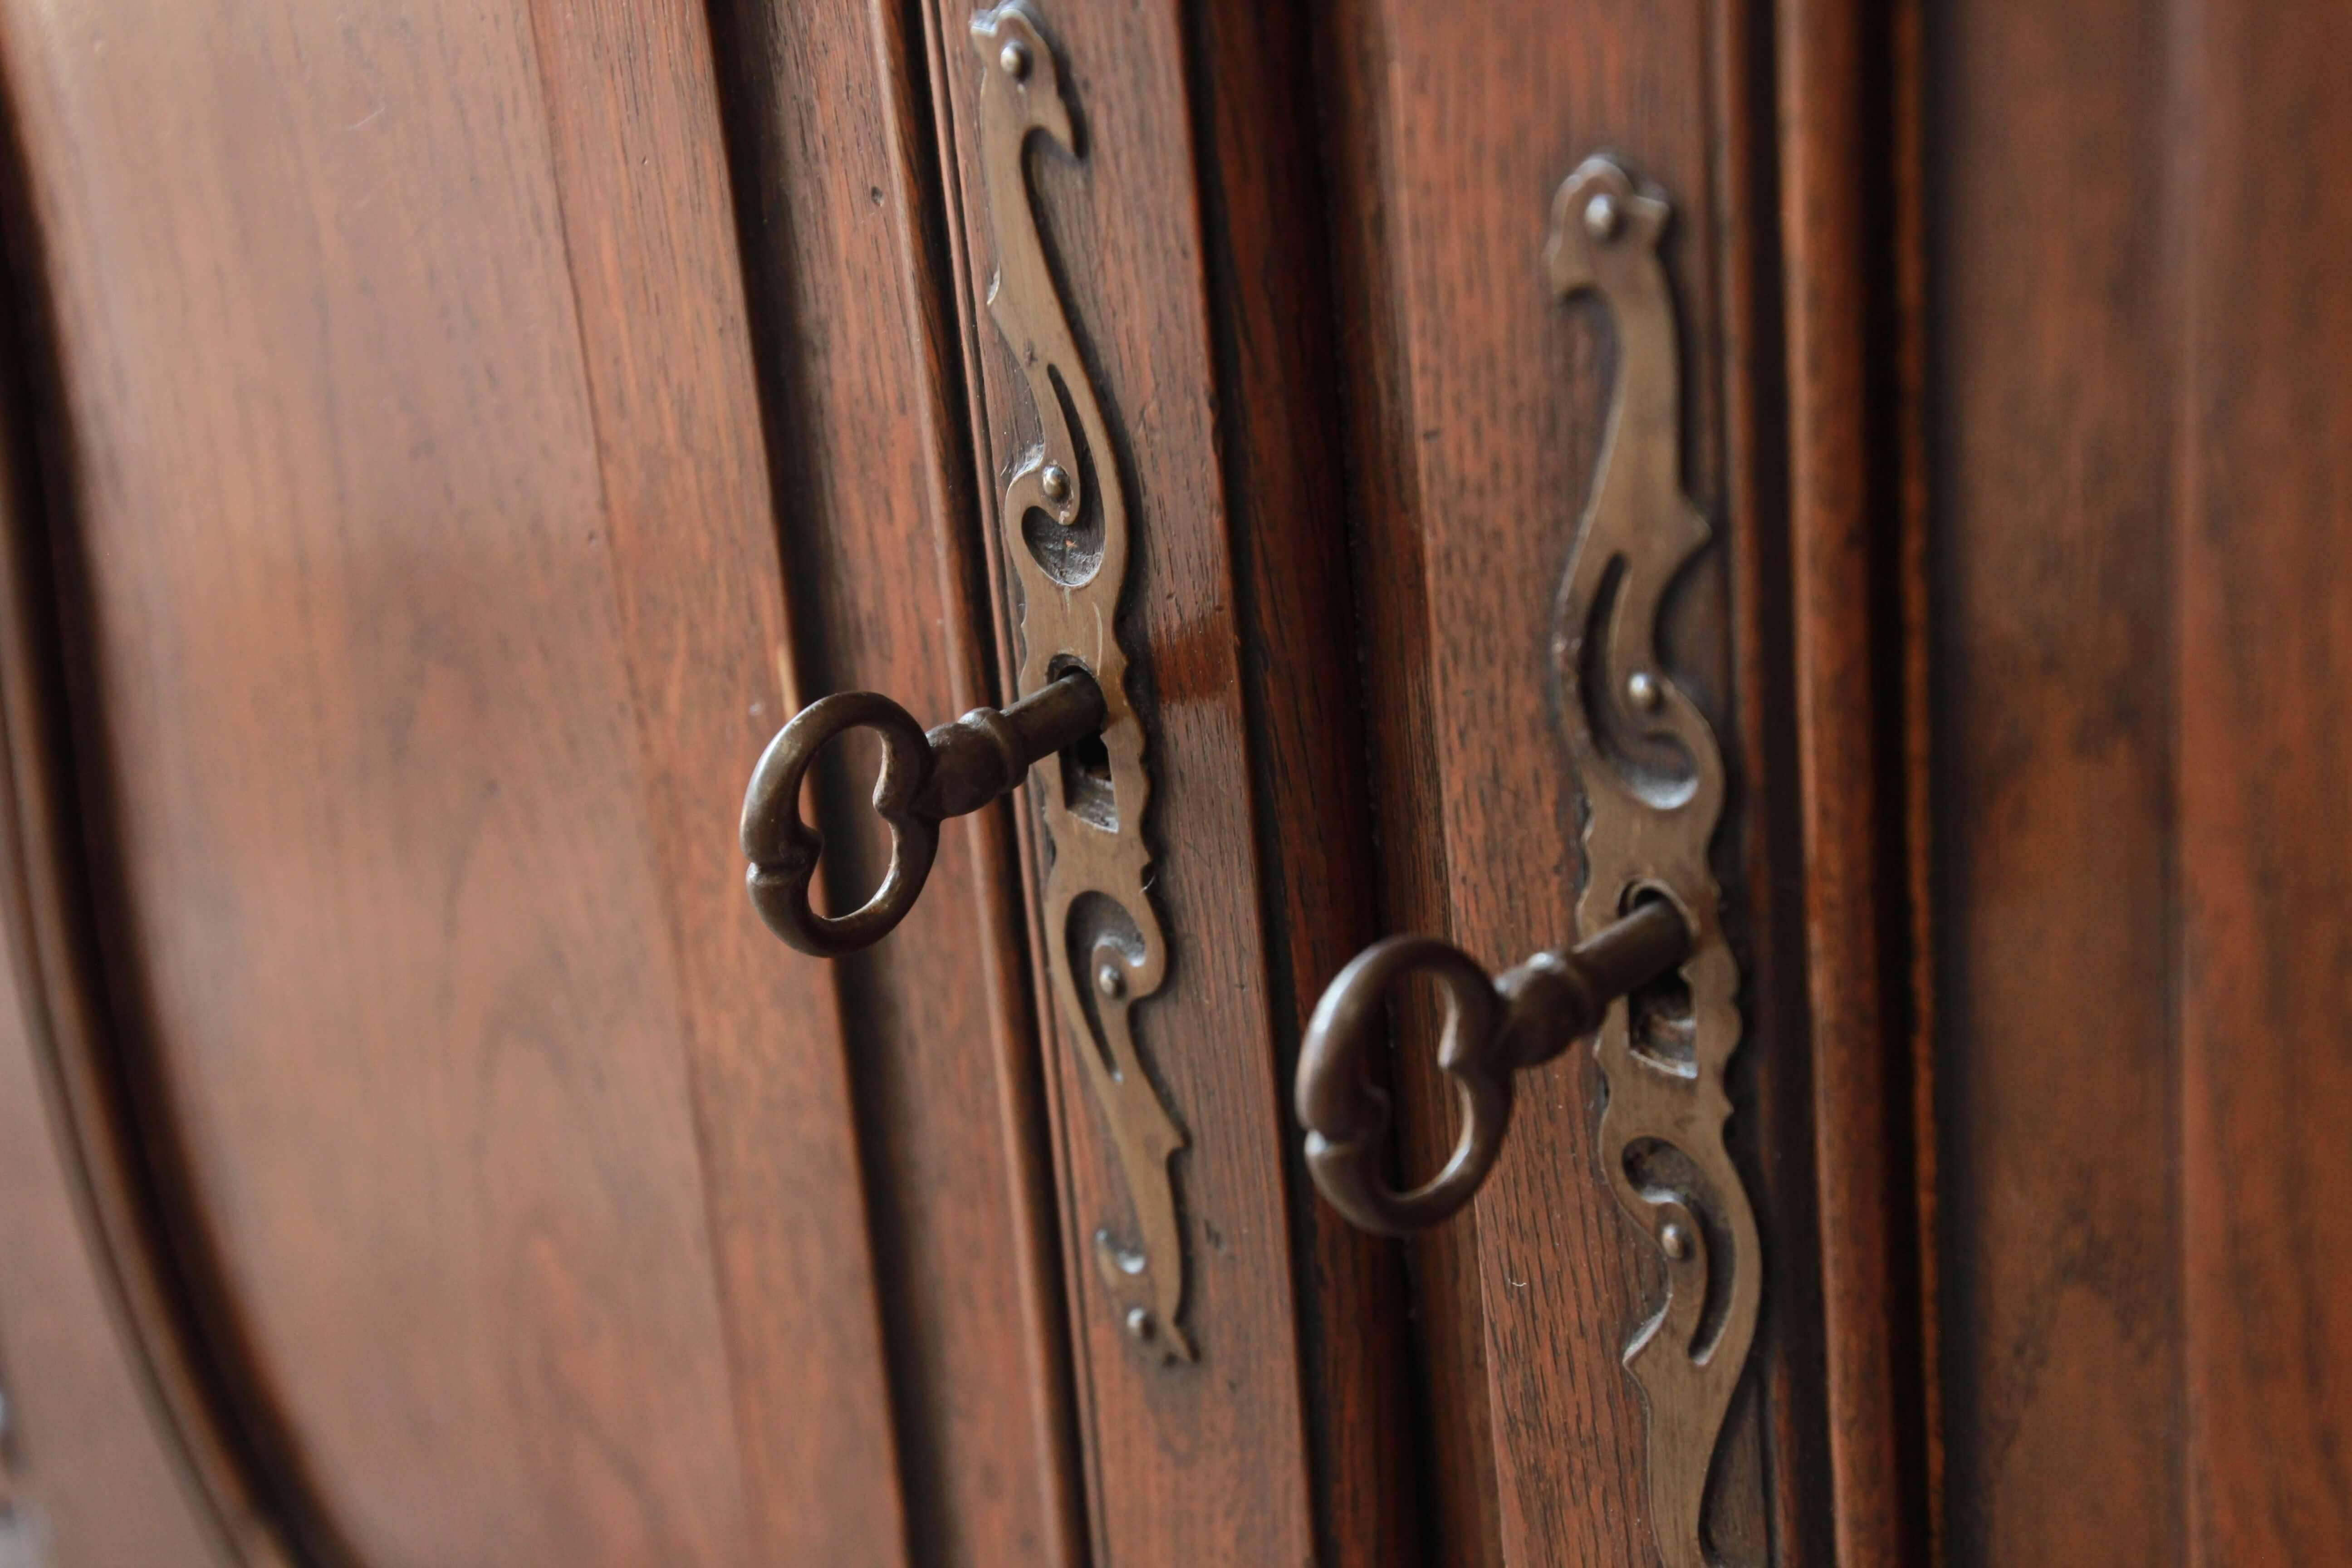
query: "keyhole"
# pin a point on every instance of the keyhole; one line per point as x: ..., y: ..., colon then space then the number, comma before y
x: 1086, y: 785
x: 1659, y: 1020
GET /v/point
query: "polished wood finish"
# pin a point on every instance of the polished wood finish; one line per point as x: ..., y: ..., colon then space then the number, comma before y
x: 2053, y: 752
x: 443, y: 442
x: 1480, y: 408
x: 1845, y: 532
x: 1275, y: 324
x: 641, y: 172
x: 2262, y: 587
x: 853, y: 315
x: 1176, y: 306
x: 430, y: 606
x: 2138, y: 631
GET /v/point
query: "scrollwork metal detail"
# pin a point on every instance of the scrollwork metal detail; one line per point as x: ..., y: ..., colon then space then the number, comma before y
x: 1067, y: 532
x: 1653, y: 783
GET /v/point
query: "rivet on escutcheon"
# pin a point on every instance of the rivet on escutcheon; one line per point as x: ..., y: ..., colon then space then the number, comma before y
x: 1603, y: 217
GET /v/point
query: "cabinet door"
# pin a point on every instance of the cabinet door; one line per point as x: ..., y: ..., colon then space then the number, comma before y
x: 1478, y: 410
x: 2139, y: 632
x: 449, y: 441
x: 1355, y: 434
x: 1237, y: 1366
x: 440, y: 444
x: 395, y: 603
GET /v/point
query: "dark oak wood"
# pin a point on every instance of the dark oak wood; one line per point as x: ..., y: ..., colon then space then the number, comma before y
x: 2053, y: 341
x: 444, y: 441
x: 431, y: 588
x: 1765, y: 839
x: 633, y: 115
x: 2140, y: 433
x: 1904, y: 140
x: 1846, y: 533
x: 882, y: 530
x: 1189, y: 306
x: 2261, y: 553
x: 1460, y: 1505
x: 1274, y: 320
x: 1479, y: 405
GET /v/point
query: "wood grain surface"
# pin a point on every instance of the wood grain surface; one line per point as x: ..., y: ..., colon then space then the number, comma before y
x: 2141, y: 638
x: 1190, y: 305
x: 1275, y: 321
x: 112, y: 1450
x: 1479, y: 405
x: 883, y: 538
x: 2261, y: 583
x: 2052, y: 311
x: 444, y: 440
x: 1846, y: 531
x: 431, y: 618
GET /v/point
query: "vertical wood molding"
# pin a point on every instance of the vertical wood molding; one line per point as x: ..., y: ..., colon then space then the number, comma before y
x: 1134, y: 260
x: 2053, y: 315
x: 1844, y: 535
x: 1908, y: 105
x: 1355, y: 55
x: 911, y: 54
x: 1770, y: 886
x: 1274, y: 326
x: 227, y: 1453
x: 2261, y: 543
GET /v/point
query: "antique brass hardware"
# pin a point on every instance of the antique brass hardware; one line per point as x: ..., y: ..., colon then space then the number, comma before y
x: 926, y: 777
x: 1653, y: 779
x: 1067, y: 537
x: 1494, y: 1027
x: 1068, y: 534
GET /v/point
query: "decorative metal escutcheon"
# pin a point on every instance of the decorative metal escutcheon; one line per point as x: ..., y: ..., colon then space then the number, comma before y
x: 1648, y: 915
x: 1067, y: 535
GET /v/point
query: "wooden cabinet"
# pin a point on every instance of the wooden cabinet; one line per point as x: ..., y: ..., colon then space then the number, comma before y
x: 440, y: 444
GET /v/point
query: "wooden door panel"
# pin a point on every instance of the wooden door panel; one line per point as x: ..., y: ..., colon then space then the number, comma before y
x: 2060, y: 1309
x: 1478, y: 415
x: 89, y: 1475
x: 2140, y: 423
x: 1847, y: 84
x: 423, y: 498
x: 854, y: 319
x: 427, y: 619
x: 1195, y: 308
x: 2263, y: 577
